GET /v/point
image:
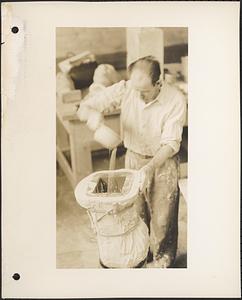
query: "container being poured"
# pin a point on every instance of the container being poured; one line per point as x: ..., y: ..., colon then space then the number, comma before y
x: 107, y: 137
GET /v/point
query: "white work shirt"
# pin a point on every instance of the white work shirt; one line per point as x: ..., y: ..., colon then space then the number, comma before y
x: 144, y: 127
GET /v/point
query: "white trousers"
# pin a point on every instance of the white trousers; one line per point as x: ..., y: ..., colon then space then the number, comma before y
x: 160, y: 212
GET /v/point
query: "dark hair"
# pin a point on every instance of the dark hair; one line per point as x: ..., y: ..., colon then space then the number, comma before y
x: 150, y: 64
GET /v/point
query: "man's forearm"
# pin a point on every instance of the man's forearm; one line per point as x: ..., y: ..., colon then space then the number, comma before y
x: 160, y: 157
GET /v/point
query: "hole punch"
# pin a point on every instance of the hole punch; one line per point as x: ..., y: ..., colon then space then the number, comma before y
x: 15, y: 29
x: 16, y: 276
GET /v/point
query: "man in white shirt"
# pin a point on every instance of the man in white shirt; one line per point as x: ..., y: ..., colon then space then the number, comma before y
x: 152, y: 119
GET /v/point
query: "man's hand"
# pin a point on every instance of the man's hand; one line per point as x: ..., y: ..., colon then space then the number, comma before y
x: 146, y: 173
x: 94, y: 120
x: 83, y: 112
x: 145, y: 177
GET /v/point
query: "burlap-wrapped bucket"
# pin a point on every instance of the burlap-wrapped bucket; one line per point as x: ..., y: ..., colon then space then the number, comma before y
x: 109, y: 198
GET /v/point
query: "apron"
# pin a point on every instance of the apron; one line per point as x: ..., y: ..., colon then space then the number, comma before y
x: 159, y: 209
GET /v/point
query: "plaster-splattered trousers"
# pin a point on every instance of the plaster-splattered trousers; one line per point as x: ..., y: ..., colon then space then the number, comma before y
x: 160, y: 212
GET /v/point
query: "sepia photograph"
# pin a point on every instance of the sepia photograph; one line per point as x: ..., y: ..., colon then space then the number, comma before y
x: 122, y: 147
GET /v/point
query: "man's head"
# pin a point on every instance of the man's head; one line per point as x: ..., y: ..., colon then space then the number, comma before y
x: 144, y: 75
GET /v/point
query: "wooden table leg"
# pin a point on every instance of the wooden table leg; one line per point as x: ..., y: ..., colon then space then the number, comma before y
x: 81, y: 158
x: 62, y: 138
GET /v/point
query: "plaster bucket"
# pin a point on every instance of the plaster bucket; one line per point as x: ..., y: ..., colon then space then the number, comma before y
x: 122, y: 236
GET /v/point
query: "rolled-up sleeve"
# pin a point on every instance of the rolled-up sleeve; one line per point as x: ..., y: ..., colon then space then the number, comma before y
x: 109, y: 98
x: 172, y: 130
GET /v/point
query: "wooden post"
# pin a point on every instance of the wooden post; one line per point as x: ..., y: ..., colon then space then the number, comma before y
x: 62, y: 138
x: 81, y: 159
x: 145, y: 41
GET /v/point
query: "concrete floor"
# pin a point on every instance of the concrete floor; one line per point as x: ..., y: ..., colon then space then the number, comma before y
x: 76, y: 245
